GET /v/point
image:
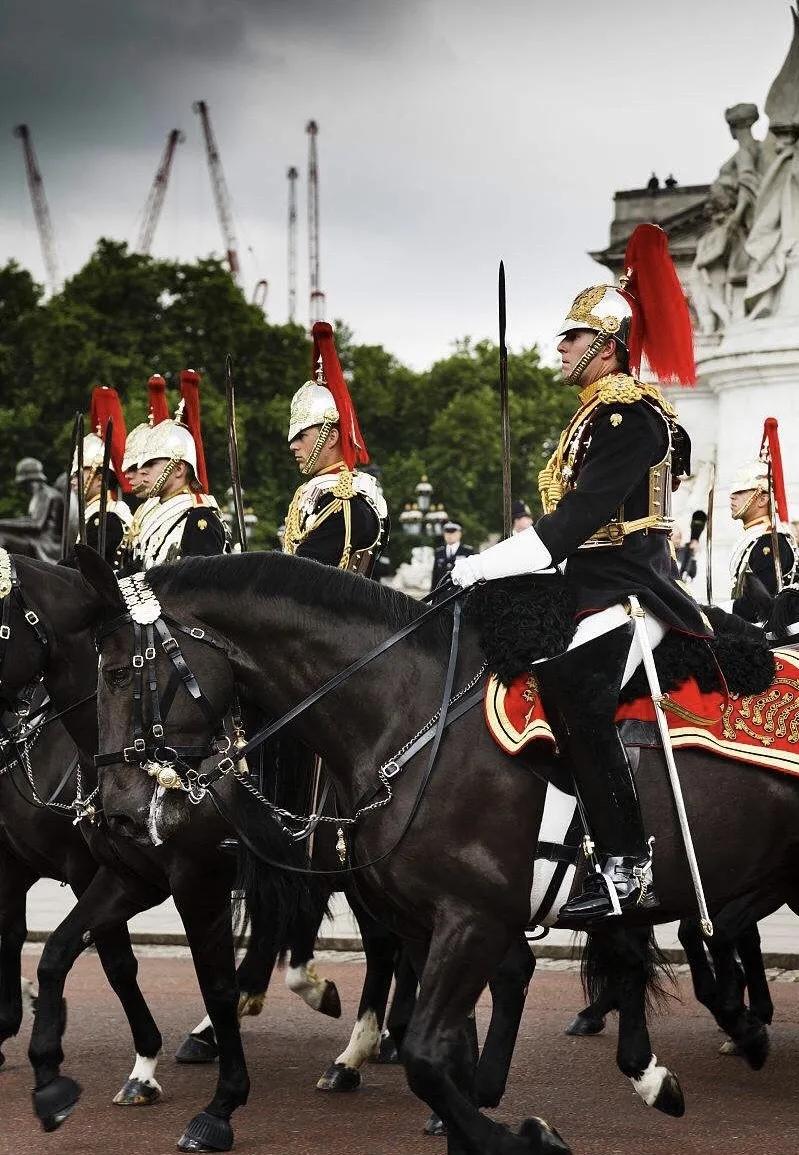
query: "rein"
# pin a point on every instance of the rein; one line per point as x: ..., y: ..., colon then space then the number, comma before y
x: 169, y: 765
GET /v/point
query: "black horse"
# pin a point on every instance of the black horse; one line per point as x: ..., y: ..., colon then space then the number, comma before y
x: 452, y: 866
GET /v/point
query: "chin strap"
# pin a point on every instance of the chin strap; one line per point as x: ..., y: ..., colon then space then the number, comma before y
x: 313, y: 456
x: 170, y: 467
x: 588, y: 356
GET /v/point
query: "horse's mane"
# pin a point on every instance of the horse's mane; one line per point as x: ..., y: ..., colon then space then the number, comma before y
x: 270, y: 574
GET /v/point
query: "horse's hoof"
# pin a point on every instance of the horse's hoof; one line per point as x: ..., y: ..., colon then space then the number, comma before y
x: 330, y: 1003
x: 136, y: 1093
x: 196, y: 1049
x: 337, y: 1077
x: 729, y: 1048
x: 387, y: 1051
x: 583, y: 1025
x: 206, y: 1133
x: 755, y: 1049
x: 56, y: 1102
x: 435, y: 1126
x: 251, y: 1004
x: 2, y: 1060
x: 669, y: 1098
x: 546, y: 1140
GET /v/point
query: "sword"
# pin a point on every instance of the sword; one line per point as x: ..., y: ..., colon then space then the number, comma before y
x: 233, y: 453
x: 68, y: 490
x: 101, y: 533
x: 775, y: 537
x: 504, y: 407
x: 79, y: 487
x: 709, y: 534
x: 668, y: 753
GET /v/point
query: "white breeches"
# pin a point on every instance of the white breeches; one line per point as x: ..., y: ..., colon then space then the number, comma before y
x: 594, y: 625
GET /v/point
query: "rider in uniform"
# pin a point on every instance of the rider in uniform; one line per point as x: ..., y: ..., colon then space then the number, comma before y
x: 338, y: 516
x: 754, y: 554
x: 39, y: 533
x: 105, y: 405
x: 179, y: 518
x: 606, y: 493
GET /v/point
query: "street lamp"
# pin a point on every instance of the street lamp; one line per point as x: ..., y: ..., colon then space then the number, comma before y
x: 422, y: 518
x: 411, y: 520
x: 424, y: 494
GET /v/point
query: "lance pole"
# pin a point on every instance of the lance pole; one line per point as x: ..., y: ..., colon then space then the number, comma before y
x: 65, y: 519
x: 709, y: 533
x: 504, y: 407
x: 777, y: 503
x: 79, y: 487
x: 102, y: 529
x: 233, y: 453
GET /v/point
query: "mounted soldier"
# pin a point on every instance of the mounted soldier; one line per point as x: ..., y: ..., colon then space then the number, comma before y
x: 339, y: 515
x: 753, y: 556
x: 179, y: 518
x: 105, y: 406
x: 606, y: 494
x: 39, y: 533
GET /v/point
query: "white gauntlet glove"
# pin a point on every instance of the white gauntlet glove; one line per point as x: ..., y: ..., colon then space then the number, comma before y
x: 523, y: 553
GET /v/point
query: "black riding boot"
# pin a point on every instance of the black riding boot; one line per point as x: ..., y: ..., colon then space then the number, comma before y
x: 580, y: 690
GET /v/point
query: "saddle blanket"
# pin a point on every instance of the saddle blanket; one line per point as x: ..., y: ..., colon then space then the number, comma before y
x: 762, y: 729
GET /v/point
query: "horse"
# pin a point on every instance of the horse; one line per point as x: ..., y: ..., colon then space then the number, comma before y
x: 133, y: 875
x: 67, y: 663
x: 253, y: 621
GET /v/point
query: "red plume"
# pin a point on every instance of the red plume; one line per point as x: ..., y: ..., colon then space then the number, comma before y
x: 156, y: 387
x: 190, y: 392
x: 105, y: 405
x: 770, y: 452
x: 661, y: 325
x: 353, y: 446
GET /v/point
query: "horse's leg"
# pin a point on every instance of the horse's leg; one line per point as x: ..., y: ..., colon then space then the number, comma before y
x: 107, y: 901
x: 751, y: 956
x: 703, y: 976
x: 591, y: 1019
x: 381, y: 949
x: 748, y: 1034
x: 203, y: 901
x: 16, y: 879
x: 627, y: 961
x: 508, y: 986
x: 403, y: 1001
x: 253, y: 975
x: 464, y: 952
x: 301, y: 976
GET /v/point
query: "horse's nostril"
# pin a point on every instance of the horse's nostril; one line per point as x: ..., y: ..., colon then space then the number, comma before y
x: 122, y: 824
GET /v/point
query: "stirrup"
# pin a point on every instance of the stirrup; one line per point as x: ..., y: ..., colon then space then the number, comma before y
x: 624, y: 883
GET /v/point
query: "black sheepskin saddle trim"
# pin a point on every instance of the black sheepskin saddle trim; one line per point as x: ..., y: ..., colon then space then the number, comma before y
x: 521, y: 620
x: 524, y: 619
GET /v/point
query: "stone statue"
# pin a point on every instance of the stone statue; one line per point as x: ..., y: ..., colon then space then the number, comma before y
x: 721, y: 259
x: 38, y: 534
x: 774, y: 237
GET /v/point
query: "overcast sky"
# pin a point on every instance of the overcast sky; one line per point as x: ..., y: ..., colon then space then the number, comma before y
x: 452, y: 133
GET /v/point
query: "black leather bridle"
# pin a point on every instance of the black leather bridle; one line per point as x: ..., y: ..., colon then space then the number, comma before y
x: 11, y: 595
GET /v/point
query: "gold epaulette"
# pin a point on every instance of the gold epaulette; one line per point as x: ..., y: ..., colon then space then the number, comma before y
x: 344, y: 487
x: 621, y: 389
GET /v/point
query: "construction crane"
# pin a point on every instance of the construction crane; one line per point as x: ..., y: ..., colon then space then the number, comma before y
x: 219, y: 186
x: 317, y: 309
x: 155, y: 201
x: 40, y: 209
x: 292, y: 175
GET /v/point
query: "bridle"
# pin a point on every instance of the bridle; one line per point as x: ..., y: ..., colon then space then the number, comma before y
x: 11, y: 595
x: 175, y: 767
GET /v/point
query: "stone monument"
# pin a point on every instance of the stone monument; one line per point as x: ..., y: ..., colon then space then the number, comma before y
x: 736, y: 247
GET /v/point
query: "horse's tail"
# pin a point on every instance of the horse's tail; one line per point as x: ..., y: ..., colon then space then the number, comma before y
x: 617, y: 961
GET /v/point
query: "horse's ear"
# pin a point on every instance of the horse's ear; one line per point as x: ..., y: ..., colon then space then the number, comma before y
x: 98, y: 573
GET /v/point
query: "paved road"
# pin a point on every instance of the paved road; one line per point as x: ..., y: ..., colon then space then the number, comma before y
x: 572, y: 1082
x: 49, y: 902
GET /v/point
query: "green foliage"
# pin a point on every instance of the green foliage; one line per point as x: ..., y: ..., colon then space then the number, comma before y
x: 125, y: 316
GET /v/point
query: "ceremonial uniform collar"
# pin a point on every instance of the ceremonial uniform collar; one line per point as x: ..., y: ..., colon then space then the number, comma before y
x: 119, y: 508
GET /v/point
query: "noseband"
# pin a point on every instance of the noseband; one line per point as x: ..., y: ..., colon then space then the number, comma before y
x: 173, y: 767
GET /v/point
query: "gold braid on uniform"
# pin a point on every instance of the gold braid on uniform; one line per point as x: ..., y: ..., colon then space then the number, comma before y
x: 343, y: 492
x: 616, y: 389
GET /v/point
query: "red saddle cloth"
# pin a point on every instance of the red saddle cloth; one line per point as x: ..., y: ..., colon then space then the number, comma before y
x: 759, y: 728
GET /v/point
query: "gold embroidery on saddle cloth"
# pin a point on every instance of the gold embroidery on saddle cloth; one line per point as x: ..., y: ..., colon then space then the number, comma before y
x: 776, y: 712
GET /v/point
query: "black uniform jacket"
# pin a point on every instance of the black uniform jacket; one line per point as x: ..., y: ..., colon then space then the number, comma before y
x: 204, y: 533
x: 761, y: 563
x: 614, y: 472
x: 326, y: 544
x: 114, y: 529
x: 442, y: 564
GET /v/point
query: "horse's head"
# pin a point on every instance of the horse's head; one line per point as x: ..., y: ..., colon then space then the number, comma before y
x: 165, y: 687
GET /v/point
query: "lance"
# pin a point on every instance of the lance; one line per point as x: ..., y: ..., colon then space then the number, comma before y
x: 81, y: 496
x: 504, y: 407
x: 101, y: 533
x: 709, y: 532
x: 73, y: 454
x: 233, y: 453
x: 777, y: 501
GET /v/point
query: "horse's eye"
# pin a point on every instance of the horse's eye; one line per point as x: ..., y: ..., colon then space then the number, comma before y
x: 116, y: 677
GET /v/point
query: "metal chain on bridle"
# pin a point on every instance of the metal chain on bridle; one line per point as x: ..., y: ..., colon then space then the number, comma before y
x: 173, y: 767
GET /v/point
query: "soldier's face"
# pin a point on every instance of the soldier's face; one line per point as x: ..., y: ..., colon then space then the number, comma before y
x: 748, y: 504
x: 303, y: 444
x: 572, y: 346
